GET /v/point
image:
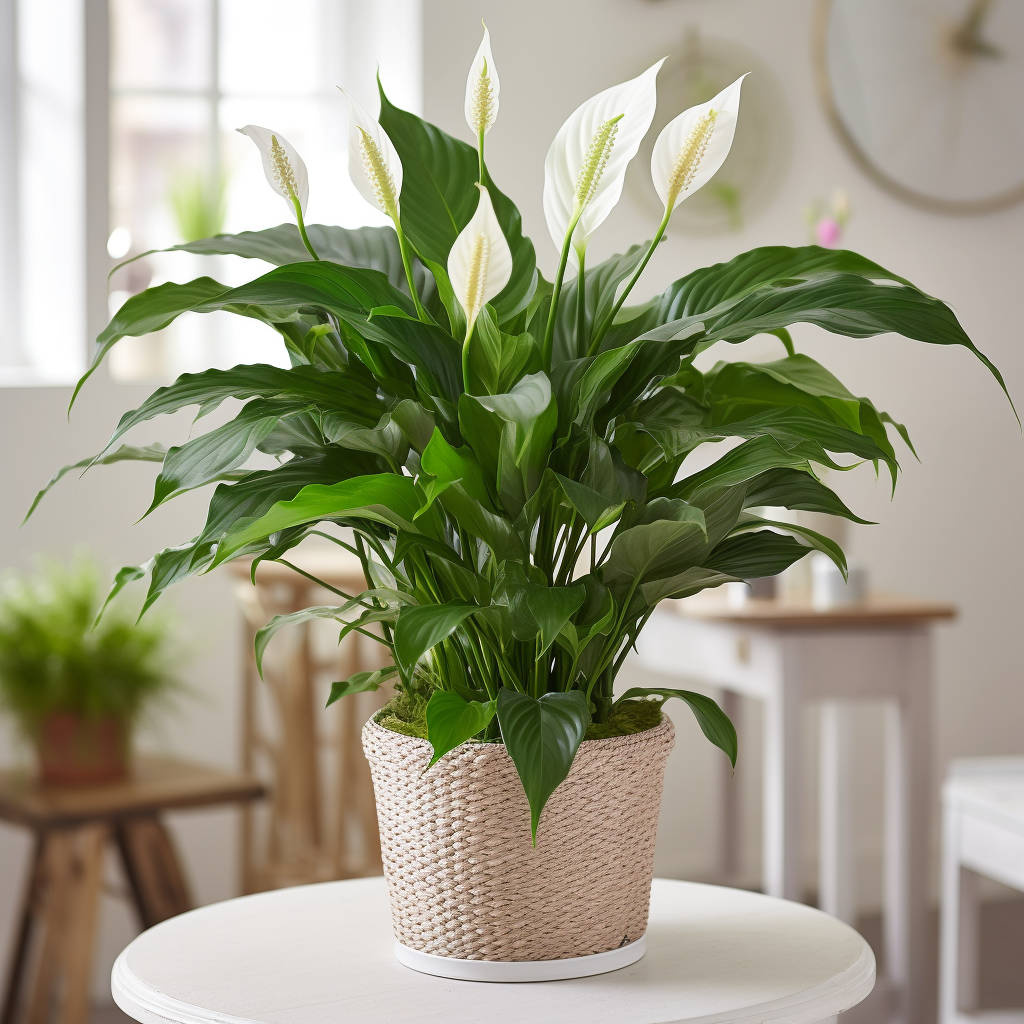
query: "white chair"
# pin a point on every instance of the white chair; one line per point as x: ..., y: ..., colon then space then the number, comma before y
x: 983, y: 834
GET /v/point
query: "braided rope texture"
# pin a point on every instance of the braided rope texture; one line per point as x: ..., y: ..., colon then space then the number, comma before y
x: 463, y: 878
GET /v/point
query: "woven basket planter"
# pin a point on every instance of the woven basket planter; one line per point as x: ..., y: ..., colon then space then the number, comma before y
x: 465, y: 883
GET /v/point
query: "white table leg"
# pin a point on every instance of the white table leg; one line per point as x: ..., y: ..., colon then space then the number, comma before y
x: 836, y: 877
x: 907, y: 828
x: 958, y: 947
x: 782, y: 780
x: 729, y: 836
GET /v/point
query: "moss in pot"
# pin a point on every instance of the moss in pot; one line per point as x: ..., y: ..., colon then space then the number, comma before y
x: 520, y: 467
x: 77, y: 693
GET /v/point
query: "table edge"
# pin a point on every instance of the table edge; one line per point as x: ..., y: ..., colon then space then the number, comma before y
x: 148, y: 1005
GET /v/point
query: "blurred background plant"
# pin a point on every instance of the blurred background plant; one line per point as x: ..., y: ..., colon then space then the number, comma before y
x: 75, y: 690
x: 198, y: 201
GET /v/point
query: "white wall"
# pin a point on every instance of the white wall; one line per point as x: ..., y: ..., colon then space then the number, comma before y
x: 950, y: 533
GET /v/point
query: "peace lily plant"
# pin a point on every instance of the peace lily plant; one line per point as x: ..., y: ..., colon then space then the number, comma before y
x: 513, y: 460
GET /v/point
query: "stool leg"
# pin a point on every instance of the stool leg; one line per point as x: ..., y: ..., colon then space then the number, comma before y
x: 154, y: 872
x: 836, y: 881
x: 23, y: 936
x: 58, y: 865
x: 85, y: 899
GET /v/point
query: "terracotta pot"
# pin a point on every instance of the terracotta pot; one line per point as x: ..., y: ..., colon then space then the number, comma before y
x: 471, y: 897
x: 78, y: 751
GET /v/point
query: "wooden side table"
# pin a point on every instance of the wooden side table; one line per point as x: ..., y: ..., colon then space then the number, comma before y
x: 322, y: 954
x: 320, y: 822
x: 789, y: 655
x: 72, y: 828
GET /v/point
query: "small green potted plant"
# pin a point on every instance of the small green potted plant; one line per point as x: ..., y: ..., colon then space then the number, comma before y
x: 510, y: 460
x: 75, y: 692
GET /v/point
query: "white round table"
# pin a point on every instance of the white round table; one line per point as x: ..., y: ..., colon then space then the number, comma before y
x: 322, y: 954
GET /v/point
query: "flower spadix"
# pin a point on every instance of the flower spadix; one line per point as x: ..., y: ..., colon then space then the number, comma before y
x: 692, y: 146
x: 482, y: 90
x: 480, y: 261
x: 586, y: 164
x: 282, y: 165
x: 373, y: 162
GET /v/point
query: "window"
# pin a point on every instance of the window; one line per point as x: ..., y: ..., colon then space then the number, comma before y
x: 120, y: 118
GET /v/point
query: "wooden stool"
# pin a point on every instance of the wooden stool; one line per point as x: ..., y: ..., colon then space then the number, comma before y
x: 321, y: 822
x: 788, y: 655
x: 72, y: 827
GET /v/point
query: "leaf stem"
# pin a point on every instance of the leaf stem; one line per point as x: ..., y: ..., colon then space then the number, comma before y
x: 465, y: 358
x: 549, y: 330
x: 581, y: 288
x: 403, y: 248
x: 610, y: 318
x: 302, y: 229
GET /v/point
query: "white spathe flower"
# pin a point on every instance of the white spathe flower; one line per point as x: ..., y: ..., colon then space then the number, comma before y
x: 284, y: 168
x: 692, y: 146
x: 482, y: 89
x: 480, y: 261
x: 586, y: 164
x: 373, y: 162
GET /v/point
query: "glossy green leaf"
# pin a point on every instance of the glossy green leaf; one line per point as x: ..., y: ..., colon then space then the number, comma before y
x: 749, y: 556
x: 542, y: 737
x: 126, y: 453
x: 421, y: 627
x: 451, y: 721
x: 380, y: 497
x: 208, y: 457
x: 797, y: 489
x: 713, y: 721
x: 659, y: 548
x: 361, y: 682
x: 372, y: 248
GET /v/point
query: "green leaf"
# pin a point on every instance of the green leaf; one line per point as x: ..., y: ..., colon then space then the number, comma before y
x: 337, y: 391
x: 511, y: 435
x: 126, y: 453
x: 713, y: 721
x: 542, y: 737
x: 336, y: 612
x: 542, y: 611
x: 379, y: 497
x: 498, y: 360
x: 457, y: 481
x: 659, y: 548
x: 372, y: 248
x: 596, y: 510
x: 774, y: 287
x: 361, y: 682
x: 682, y: 584
x: 207, y: 458
x: 797, y: 489
x: 750, y: 556
x: 744, y: 462
x: 439, y: 197
x: 816, y: 540
x: 421, y: 627
x: 451, y: 721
